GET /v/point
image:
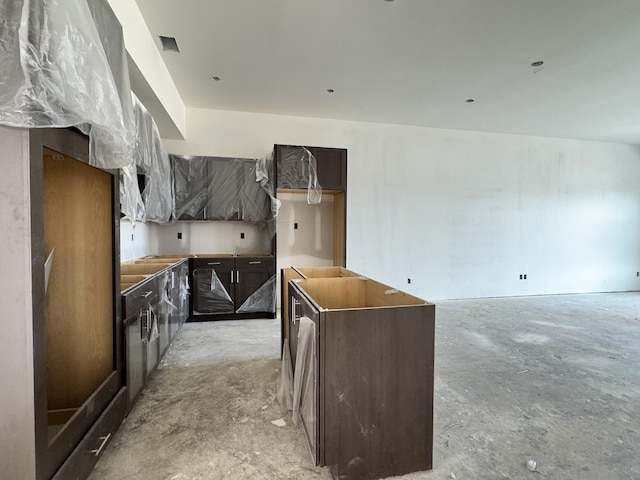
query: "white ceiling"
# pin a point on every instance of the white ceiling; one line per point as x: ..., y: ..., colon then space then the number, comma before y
x: 414, y: 62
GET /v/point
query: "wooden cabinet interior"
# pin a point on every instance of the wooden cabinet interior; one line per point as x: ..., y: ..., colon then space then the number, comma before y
x: 79, y: 298
x: 77, y: 324
x: 300, y: 273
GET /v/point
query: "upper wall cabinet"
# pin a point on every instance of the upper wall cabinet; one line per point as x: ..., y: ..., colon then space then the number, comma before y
x: 218, y: 188
x: 294, y: 167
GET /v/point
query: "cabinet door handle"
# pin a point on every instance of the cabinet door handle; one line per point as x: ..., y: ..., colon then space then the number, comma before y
x: 231, y: 276
x: 145, y: 295
x: 255, y: 263
x: 104, y: 439
x: 237, y: 276
x: 294, y: 304
x: 214, y: 263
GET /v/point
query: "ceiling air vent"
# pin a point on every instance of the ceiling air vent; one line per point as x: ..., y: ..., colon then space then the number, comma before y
x: 169, y: 44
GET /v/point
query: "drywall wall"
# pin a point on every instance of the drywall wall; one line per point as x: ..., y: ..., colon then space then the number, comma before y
x: 463, y: 214
x: 305, y: 232
x: 17, y: 442
x: 196, y: 237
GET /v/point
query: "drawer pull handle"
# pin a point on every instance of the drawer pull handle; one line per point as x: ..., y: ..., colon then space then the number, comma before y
x: 213, y: 263
x: 105, y: 439
x: 145, y: 295
x: 255, y: 263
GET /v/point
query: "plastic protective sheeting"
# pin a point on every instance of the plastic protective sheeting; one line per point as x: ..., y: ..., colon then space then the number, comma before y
x: 262, y: 300
x: 216, y: 188
x: 264, y: 176
x: 285, y: 388
x: 165, y: 306
x: 212, y: 296
x: 304, y: 380
x: 190, y: 186
x: 152, y: 161
x: 55, y: 73
x: 297, y: 168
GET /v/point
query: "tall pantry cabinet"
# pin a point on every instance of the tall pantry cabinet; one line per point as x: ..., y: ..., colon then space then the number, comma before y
x: 70, y: 323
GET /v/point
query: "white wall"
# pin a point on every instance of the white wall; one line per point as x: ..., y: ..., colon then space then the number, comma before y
x: 197, y: 237
x: 311, y: 244
x: 17, y: 441
x: 464, y: 213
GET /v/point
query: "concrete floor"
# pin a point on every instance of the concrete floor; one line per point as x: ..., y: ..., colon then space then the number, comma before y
x: 553, y: 379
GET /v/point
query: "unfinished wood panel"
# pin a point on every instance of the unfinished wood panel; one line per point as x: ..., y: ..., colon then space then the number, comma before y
x: 377, y: 387
x: 326, y: 272
x: 142, y: 268
x: 336, y: 293
x: 78, y: 223
x: 286, y: 275
x: 379, y: 295
x: 339, y: 229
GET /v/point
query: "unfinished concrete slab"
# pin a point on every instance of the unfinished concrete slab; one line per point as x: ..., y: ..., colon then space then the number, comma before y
x: 551, y: 379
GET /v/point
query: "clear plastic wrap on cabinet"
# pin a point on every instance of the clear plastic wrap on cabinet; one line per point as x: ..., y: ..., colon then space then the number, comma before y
x: 262, y: 300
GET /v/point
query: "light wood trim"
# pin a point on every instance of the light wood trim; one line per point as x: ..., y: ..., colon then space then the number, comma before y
x: 305, y: 191
x: 339, y: 229
x: 355, y: 292
x: 78, y: 223
x: 327, y: 272
x: 142, y: 268
x: 60, y: 417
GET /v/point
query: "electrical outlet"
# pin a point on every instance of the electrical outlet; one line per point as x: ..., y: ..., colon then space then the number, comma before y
x: 241, y: 234
x: 520, y: 276
x: 525, y: 276
x: 637, y: 274
x: 179, y: 235
x: 295, y: 226
x: 132, y: 237
x: 408, y: 280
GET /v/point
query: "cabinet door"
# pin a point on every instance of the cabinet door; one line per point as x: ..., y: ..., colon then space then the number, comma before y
x: 304, y: 346
x: 331, y: 164
x: 190, y: 177
x: 213, y: 294
x: 252, y: 273
x: 222, y: 202
x: 254, y: 203
x: 135, y: 356
x: 292, y: 165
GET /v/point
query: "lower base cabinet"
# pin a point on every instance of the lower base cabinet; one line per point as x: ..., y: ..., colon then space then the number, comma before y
x: 230, y: 287
x: 154, y: 310
x: 86, y: 454
x: 363, y: 356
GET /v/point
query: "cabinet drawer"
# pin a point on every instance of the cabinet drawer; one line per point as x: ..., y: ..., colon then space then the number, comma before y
x: 142, y: 295
x: 214, y: 263
x: 86, y: 454
x: 267, y: 262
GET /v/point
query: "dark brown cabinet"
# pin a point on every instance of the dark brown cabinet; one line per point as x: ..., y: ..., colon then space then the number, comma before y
x: 363, y: 354
x: 77, y: 323
x: 218, y: 188
x: 233, y: 287
x: 294, y: 168
x: 154, y: 310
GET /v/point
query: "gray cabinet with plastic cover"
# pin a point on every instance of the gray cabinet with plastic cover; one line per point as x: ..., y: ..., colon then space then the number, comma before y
x: 218, y: 188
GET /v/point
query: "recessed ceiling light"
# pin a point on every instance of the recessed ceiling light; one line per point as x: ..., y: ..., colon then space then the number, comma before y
x: 537, y: 63
x: 215, y: 79
x: 388, y: 1
x: 469, y: 100
x: 330, y: 90
x: 169, y: 44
